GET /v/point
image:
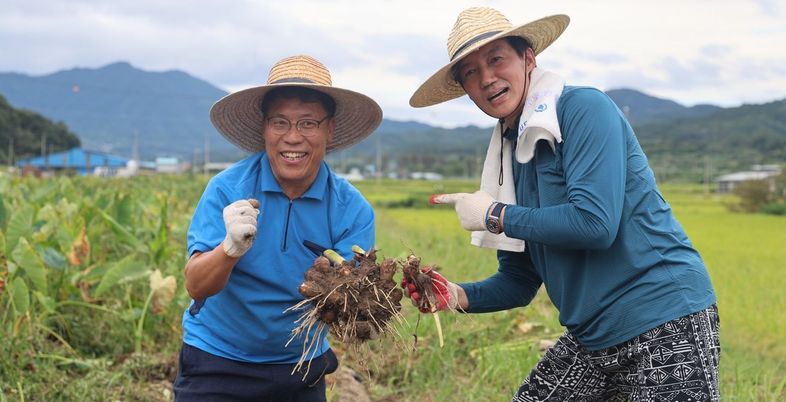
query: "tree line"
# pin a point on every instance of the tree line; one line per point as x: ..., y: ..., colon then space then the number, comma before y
x: 24, y: 134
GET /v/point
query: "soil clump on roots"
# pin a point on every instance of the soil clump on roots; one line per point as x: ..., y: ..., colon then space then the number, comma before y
x: 422, y: 287
x: 354, y: 299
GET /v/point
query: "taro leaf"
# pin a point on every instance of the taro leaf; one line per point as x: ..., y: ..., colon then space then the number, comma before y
x: 52, y: 257
x: 67, y: 190
x: 159, y: 244
x: 11, y: 267
x: 91, y: 275
x: 3, y: 214
x: 63, y: 237
x: 122, y: 233
x: 3, y: 263
x: 124, y: 210
x: 2, y: 246
x: 19, y: 226
x: 128, y: 269
x: 47, y: 220
x: 20, y: 295
x: 47, y: 302
x: 44, y: 192
x: 29, y: 261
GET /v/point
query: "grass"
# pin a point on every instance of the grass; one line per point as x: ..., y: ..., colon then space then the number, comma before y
x: 745, y: 256
x: 85, y: 351
x: 488, y: 355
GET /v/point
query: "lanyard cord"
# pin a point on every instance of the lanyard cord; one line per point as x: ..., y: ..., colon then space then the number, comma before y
x: 501, y: 142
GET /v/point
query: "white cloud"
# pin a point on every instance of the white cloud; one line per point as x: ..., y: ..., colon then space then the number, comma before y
x: 724, y: 52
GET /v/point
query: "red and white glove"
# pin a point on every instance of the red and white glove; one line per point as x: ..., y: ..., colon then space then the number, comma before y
x: 240, y: 219
x: 445, y: 292
x: 470, y: 208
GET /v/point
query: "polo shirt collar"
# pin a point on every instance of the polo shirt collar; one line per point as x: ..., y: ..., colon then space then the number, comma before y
x: 268, y: 181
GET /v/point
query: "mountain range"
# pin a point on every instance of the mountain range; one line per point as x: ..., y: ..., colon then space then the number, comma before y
x: 117, y: 108
x: 124, y: 110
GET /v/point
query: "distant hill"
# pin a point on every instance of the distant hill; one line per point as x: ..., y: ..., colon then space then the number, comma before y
x: 726, y: 140
x: 108, y: 107
x: 167, y: 113
x: 682, y: 143
x: 28, y: 130
x: 641, y: 108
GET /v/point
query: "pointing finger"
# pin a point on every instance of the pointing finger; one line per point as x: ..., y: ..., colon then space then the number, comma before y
x: 447, y: 198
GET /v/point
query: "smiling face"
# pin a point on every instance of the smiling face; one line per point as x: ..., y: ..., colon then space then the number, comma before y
x: 295, y: 158
x: 496, y: 78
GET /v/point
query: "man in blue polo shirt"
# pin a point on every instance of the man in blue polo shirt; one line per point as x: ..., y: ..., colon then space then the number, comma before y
x: 565, y: 173
x: 248, y: 237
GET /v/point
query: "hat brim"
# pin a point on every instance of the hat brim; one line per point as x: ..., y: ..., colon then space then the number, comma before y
x: 441, y: 86
x: 238, y: 116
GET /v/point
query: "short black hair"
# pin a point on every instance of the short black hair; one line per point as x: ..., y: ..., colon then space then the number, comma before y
x: 519, y: 44
x: 305, y: 95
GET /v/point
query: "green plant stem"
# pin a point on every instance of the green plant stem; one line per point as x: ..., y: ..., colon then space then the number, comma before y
x: 5, y: 312
x: 56, y: 336
x: 140, y: 325
x: 21, y: 391
x: 88, y: 305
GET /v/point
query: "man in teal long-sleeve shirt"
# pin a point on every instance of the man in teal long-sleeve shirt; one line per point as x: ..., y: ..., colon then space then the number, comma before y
x: 584, y: 218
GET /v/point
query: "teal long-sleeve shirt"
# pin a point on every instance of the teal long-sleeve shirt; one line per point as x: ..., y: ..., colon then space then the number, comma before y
x: 599, y: 235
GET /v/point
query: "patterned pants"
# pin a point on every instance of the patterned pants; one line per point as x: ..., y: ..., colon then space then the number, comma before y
x: 677, y: 361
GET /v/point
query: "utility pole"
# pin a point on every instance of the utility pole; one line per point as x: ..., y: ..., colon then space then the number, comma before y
x: 707, y: 168
x: 135, y: 148
x: 207, y: 155
x: 194, y: 160
x: 43, y: 152
x: 379, y: 159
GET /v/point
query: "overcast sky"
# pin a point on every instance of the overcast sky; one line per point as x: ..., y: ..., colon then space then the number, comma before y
x: 723, y: 52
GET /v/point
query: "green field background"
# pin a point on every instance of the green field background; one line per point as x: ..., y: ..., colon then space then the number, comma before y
x: 745, y: 254
x: 64, y: 340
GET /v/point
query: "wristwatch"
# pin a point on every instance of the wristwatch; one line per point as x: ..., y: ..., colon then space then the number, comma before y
x: 493, y: 224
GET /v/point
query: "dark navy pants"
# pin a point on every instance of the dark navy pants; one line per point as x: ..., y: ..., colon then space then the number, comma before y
x: 206, y: 377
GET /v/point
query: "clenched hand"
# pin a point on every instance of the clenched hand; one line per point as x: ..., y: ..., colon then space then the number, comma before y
x: 240, y: 219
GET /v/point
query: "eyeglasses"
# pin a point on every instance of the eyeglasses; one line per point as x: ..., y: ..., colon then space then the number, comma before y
x: 306, y: 127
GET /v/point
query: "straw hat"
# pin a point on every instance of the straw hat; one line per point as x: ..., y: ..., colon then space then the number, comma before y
x: 238, y: 116
x: 474, y: 28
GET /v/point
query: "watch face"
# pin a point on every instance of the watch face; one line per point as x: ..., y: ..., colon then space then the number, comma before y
x: 492, y: 225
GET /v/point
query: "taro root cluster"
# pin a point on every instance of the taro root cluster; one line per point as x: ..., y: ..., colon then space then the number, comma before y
x: 355, y: 299
x: 419, y: 283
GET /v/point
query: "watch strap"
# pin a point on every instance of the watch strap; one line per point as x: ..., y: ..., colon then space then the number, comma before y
x: 496, y: 209
x: 493, y: 223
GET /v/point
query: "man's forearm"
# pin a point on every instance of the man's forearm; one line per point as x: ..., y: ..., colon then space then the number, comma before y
x: 207, y: 273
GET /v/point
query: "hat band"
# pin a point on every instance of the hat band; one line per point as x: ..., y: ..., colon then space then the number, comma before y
x: 473, y: 41
x: 296, y: 79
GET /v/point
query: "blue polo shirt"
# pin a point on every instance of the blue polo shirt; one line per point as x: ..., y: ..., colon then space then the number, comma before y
x: 600, y: 236
x: 246, y: 320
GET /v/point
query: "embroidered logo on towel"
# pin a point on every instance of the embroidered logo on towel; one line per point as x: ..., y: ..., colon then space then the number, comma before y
x: 540, y: 107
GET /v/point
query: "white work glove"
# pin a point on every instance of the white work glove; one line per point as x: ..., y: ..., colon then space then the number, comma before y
x: 240, y: 219
x: 470, y: 208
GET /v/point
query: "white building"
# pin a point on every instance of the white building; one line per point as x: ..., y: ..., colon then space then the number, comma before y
x: 171, y: 165
x: 728, y: 182
x: 425, y: 176
x: 353, y: 175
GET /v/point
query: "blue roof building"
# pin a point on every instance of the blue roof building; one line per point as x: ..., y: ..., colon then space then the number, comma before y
x: 77, y: 159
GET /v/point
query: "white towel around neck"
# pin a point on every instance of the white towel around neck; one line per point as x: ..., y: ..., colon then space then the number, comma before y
x: 538, y: 121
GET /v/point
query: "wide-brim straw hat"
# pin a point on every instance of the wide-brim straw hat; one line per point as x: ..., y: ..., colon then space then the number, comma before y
x: 239, y: 118
x: 474, y: 28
